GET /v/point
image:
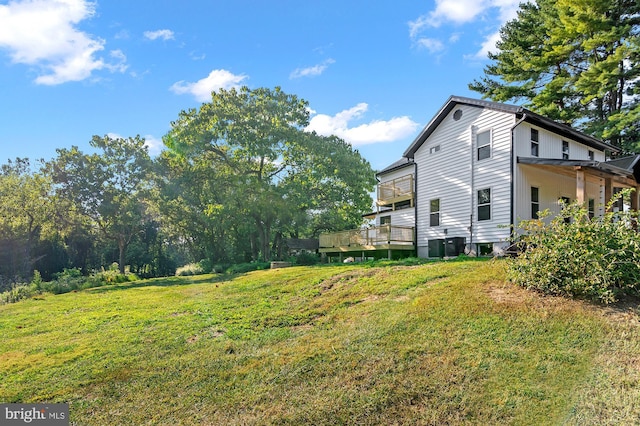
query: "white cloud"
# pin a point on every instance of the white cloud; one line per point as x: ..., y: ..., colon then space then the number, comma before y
x: 311, y: 71
x: 163, y: 34
x: 457, y: 11
x: 489, y: 45
x: 431, y: 44
x: 43, y: 33
x: 201, y: 89
x: 368, y: 133
x: 155, y: 145
x: 461, y: 12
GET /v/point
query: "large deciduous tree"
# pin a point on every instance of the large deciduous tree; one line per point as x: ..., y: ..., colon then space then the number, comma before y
x: 109, y: 187
x: 27, y: 210
x: 575, y: 61
x: 257, y: 165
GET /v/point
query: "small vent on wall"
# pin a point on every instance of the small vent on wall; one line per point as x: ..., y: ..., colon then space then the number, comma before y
x: 457, y: 114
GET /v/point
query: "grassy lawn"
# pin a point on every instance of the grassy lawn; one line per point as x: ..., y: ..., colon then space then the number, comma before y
x: 440, y: 343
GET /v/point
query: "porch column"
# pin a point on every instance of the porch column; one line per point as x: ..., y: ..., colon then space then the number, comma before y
x: 634, y: 199
x: 608, y: 190
x: 581, y: 187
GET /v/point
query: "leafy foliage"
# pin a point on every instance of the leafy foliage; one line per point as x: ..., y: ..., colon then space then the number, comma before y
x: 108, y: 188
x: 574, y: 61
x: 242, y: 174
x: 574, y: 255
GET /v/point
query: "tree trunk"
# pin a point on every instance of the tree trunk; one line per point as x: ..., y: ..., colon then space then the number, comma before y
x: 122, y: 247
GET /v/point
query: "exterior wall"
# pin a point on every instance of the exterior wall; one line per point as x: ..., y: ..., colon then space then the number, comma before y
x: 453, y: 175
x: 399, y: 217
x: 551, y: 145
x: 552, y: 187
x: 395, y: 174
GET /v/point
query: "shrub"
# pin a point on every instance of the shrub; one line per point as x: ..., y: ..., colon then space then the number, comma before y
x: 18, y: 292
x: 190, y: 269
x: 241, y: 268
x: 573, y: 255
x: 110, y: 276
x: 65, y: 281
x: 206, y: 265
x: 306, y: 259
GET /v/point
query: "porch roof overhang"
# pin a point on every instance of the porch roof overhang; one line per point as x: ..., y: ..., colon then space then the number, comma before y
x: 626, y: 171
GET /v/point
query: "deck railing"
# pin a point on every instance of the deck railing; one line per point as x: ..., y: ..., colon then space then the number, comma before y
x: 374, y: 236
x: 395, y: 190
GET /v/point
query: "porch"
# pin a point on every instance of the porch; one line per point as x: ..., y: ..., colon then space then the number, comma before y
x: 369, y: 242
x: 610, y: 175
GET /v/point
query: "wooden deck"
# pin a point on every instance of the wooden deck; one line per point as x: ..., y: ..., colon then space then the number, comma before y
x: 396, y: 190
x: 385, y: 237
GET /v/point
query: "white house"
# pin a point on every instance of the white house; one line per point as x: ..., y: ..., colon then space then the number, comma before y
x: 475, y: 171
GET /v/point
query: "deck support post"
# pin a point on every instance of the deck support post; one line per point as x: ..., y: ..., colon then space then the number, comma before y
x: 608, y: 190
x: 581, y: 187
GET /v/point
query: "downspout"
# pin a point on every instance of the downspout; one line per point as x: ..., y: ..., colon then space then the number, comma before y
x: 472, y: 183
x: 513, y: 165
x: 415, y: 205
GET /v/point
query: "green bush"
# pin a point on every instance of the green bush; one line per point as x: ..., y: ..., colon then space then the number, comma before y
x: 241, y: 268
x: 306, y: 259
x: 110, y: 276
x: 573, y: 255
x: 206, y: 265
x: 18, y: 292
x: 65, y: 281
x: 190, y: 269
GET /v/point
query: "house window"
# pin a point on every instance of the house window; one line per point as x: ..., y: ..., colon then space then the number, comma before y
x: 535, y: 202
x: 385, y: 220
x: 591, y: 155
x: 484, y: 204
x: 535, y: 143
x: 565, y: 150
x: 434, y: 212
x: 592, y: 208
x: 565, y: 201
x: 483, y: 142
x: 434, y: 149
x: 402, y: 205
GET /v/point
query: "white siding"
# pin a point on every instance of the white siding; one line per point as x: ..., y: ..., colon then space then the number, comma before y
x: 453, y: 175
x: 395, y: 174
x: 551, y: 145
x: 552, y: 187
x: 402, y: 217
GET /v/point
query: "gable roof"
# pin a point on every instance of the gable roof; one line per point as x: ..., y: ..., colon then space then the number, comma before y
x: 401, y: 163
x: 518, y: 111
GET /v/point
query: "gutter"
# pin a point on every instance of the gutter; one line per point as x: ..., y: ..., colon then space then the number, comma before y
x: 513, y: 165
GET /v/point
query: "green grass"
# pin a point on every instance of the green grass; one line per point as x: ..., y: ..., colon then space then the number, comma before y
x: 440, y: 343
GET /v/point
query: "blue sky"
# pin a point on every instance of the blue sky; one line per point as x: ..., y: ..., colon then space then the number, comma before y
x: 374, y: 73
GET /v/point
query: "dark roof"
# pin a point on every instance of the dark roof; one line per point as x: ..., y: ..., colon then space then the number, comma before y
x: 625, y: 167
x: 625, y: 162
x: 518, y: 111
x: 403, y: 162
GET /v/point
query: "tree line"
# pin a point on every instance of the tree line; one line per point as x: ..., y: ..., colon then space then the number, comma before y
x: 239, y: 176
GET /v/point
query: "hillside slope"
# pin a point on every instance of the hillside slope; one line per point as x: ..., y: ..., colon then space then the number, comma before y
x: 348, y: 344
